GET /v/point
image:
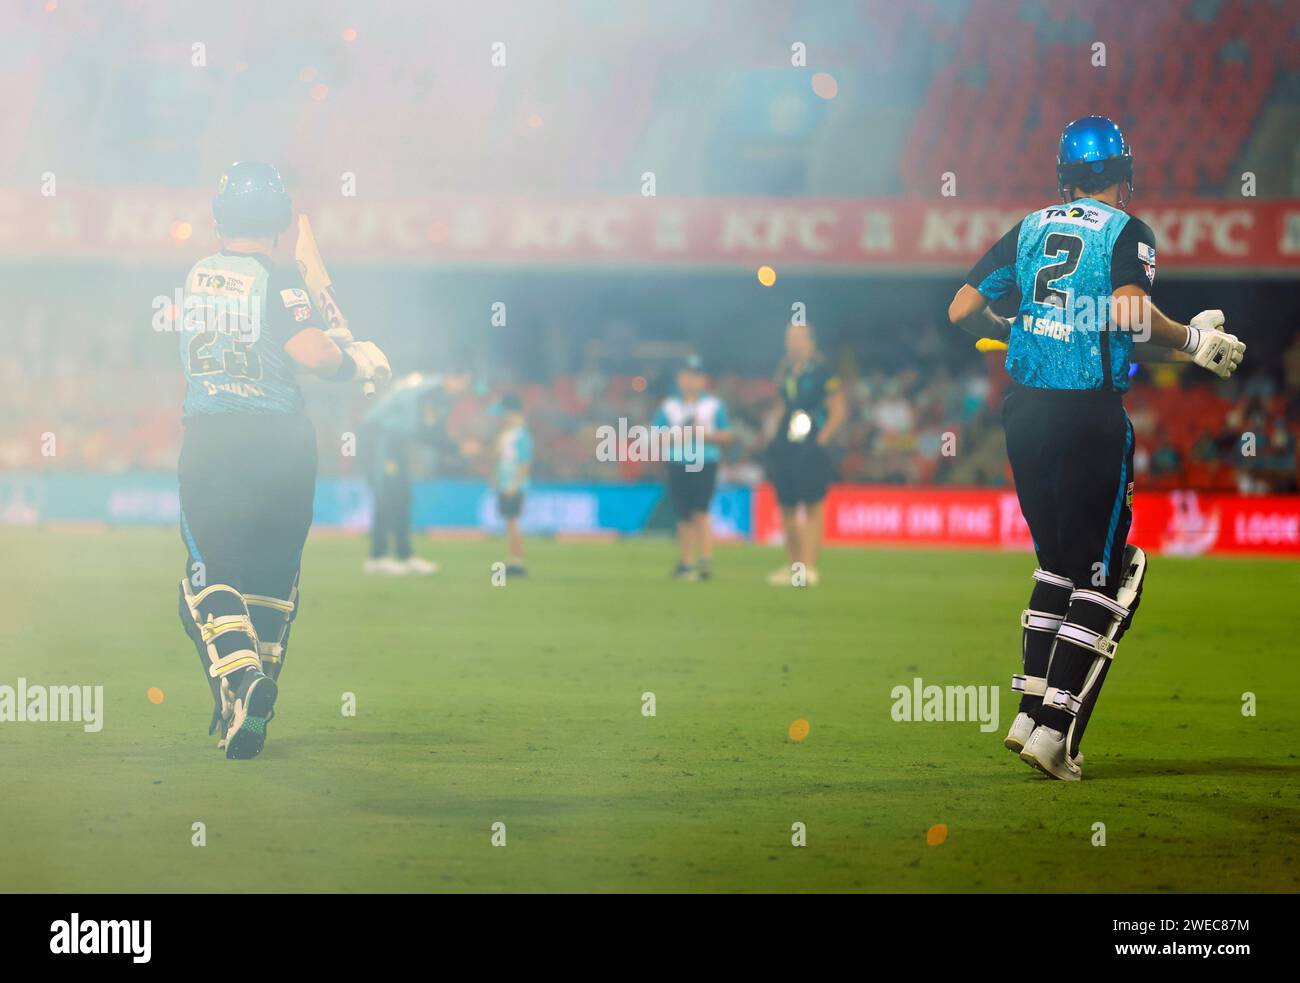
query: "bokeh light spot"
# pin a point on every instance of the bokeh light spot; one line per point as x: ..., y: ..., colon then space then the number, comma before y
x: 825, y: 86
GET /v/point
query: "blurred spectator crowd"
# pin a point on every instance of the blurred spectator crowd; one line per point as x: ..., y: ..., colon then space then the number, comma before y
x: 924, y: 417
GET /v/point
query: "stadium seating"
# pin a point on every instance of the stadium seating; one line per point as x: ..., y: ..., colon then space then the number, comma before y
x: 1187, y: 80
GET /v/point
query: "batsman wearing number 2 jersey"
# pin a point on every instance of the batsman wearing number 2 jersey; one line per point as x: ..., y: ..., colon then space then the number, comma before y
x: 248, y: 457
x: 1083, y: 271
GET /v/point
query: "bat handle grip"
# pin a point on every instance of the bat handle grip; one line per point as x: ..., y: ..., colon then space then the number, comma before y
x: 368, y: 388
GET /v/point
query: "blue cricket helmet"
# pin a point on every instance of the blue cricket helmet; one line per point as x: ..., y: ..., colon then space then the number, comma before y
x: 1093, y: 155
x: 251, y: 201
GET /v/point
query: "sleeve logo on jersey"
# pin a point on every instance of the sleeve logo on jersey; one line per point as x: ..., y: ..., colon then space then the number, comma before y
x: 1085, y: 215
x: 297, y: 301
x: 1147, y: 254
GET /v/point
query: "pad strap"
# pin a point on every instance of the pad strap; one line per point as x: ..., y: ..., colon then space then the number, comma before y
x: 226, y: 664
x: 1055, y: 579
x: 1101, y: 600
x: 1029, y: 685
x: 1061, y: 699
x: 1087, y: 638
x: 262, y: 601
x: 215, y: 627
x: 1046, y: 621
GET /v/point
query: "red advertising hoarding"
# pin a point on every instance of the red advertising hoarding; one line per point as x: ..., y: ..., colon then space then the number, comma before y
x: 597, y: 231
x: 1172, y: 523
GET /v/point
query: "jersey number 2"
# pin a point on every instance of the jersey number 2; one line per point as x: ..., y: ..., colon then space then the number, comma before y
x: 1057, y: 243
x: 238, y: 361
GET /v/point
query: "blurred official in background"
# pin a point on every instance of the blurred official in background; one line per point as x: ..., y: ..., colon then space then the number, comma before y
x: 802, y: 425
x: 414, y: 411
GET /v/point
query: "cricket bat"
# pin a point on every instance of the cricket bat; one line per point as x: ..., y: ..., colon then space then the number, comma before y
x: 319, y: 285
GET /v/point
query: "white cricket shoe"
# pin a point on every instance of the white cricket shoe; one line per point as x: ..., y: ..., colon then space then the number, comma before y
x: 383, y: 565
x: 1045, y: 750
x: 1019, y: 733
x: 781, y: 577
x: 420, y: 567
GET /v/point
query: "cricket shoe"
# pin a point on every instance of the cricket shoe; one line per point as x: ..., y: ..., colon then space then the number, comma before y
x: 1046, y: 751
x: 1018, y: 736
x: 781, y: 577
x: 684, y: 571
x: 1019, y: 733
x: 420, y: 567
x: 384, y: 565
x: 251, y: 709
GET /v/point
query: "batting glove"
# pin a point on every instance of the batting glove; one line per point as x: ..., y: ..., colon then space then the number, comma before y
x: 372, y: 363
x: 1210, y: 347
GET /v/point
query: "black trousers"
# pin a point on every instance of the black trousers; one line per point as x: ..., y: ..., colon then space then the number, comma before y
x: 801, y: 473
x: 1071, y: 453
x: 386, y: 461
x: 247, y: 484
x: 691, y: 492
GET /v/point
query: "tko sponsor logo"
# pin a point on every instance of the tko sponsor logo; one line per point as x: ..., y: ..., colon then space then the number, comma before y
x: 75, y: 937
x: 220, y: 282
x: 1085, y: 215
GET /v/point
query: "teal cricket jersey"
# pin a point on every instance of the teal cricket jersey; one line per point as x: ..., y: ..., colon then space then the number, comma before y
x: 708, y: 412
x: 237, y: 313
x: 1065, y: 261
x: 514, y: 450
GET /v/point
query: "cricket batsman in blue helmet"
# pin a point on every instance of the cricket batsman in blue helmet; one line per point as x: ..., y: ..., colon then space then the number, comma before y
x: 1083, y: 270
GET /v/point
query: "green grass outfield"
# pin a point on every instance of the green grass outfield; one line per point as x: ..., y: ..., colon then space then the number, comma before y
x: 522, y: 705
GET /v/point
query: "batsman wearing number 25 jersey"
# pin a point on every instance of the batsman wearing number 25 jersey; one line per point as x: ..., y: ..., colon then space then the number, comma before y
x: 1082, y: 271
x: 248, y: 457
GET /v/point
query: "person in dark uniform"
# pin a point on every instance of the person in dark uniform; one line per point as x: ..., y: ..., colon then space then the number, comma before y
x: 1083, y: 271
x: 811, y: 411
x: 247, y: 466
